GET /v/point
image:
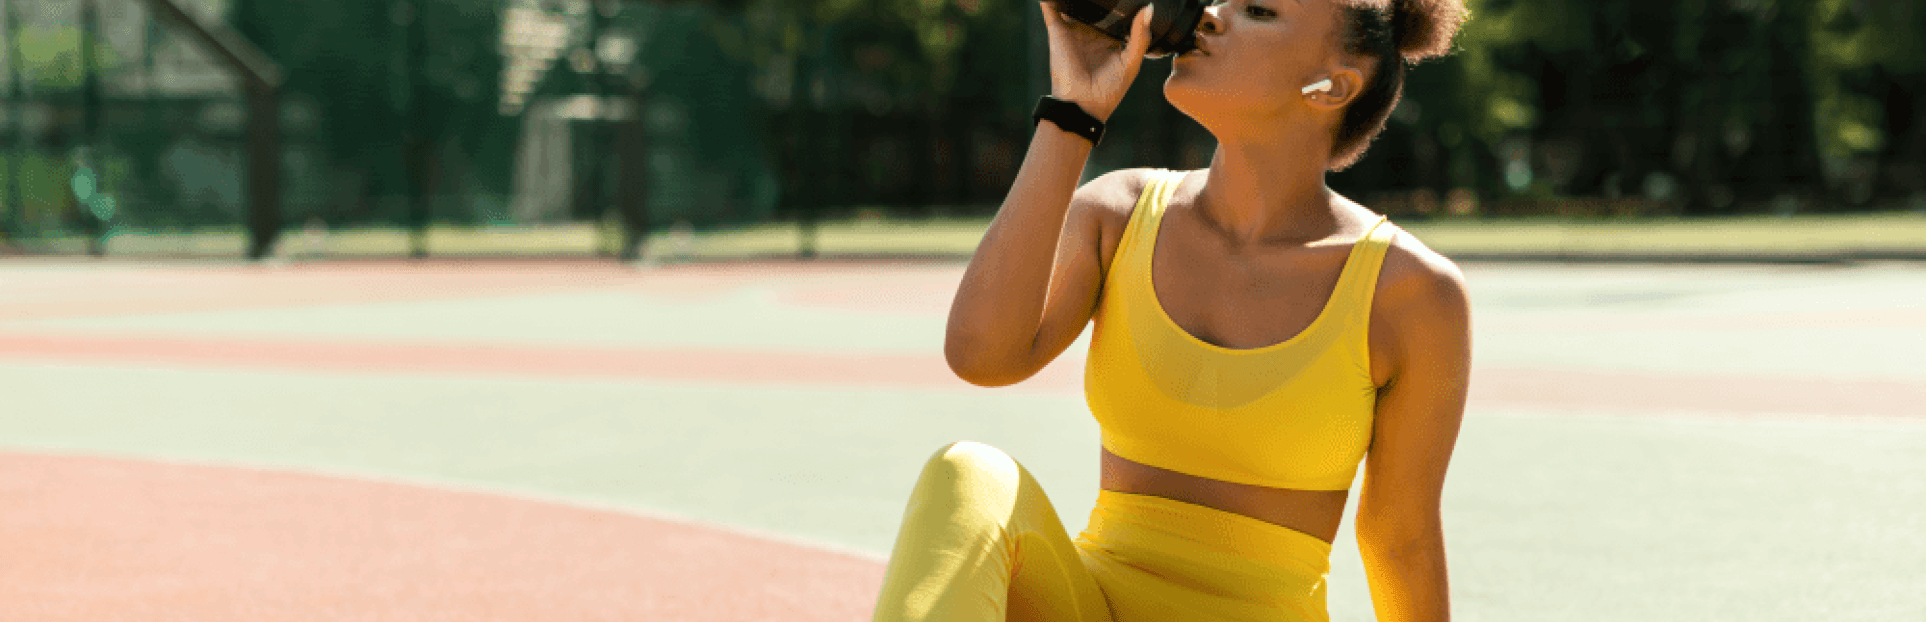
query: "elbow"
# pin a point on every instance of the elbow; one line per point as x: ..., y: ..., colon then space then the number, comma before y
x: 977, y: 367
x: 1394, y: 547
x: 1393, y: 539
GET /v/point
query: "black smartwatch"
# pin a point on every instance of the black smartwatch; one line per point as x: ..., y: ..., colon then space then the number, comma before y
x: 1068, y: 116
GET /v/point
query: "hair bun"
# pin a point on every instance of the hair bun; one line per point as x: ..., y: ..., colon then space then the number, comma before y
x: 1424, y: 28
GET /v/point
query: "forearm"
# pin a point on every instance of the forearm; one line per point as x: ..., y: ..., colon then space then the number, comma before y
x: 1407, y: 575
x: 999, y: 303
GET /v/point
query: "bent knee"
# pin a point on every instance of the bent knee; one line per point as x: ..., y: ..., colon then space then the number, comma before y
x: 973, y: 458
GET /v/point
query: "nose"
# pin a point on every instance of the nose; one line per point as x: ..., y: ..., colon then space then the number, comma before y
x: 1210, y: 23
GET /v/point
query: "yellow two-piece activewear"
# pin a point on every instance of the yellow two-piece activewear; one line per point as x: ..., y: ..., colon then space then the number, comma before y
x: 980, y: 541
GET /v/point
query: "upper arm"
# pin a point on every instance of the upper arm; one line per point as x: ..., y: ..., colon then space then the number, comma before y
x: 1098, y: 210
x: 1421, y: 340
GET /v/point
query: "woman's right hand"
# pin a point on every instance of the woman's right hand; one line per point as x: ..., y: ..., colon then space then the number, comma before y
x: 1089, y: 68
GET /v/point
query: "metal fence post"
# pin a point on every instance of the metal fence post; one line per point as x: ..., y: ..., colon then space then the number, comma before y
x: 263, y: 79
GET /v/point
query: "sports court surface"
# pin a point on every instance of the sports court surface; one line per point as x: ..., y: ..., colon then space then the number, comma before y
x: 722, y: 442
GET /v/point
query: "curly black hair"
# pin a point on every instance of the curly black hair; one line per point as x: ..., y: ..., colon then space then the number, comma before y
x: 1394, y: 34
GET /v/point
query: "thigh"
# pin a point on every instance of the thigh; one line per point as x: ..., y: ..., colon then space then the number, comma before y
x: 1051, y: 580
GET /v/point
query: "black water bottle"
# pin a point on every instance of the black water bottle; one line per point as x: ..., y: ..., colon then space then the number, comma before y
x: 1173, y: 28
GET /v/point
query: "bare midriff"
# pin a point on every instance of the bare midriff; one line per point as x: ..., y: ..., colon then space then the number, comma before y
x: 1313, y: 512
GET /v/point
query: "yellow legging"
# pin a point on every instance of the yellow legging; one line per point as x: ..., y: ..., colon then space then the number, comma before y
x: 981, y: 542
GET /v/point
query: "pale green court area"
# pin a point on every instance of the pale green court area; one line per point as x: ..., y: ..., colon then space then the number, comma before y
x: 1553, y: 513
x: 1549, y: 516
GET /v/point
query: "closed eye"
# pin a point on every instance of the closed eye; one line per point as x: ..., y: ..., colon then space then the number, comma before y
x: 1249, y: 9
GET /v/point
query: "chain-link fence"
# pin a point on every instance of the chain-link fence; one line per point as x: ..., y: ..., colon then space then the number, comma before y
x: 128, y: 131
x: 397, y: 127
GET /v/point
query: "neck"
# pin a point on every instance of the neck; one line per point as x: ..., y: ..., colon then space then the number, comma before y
x: 1269, y: 191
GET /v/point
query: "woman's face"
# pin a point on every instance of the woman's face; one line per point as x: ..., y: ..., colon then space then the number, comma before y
x: 1254, y: 57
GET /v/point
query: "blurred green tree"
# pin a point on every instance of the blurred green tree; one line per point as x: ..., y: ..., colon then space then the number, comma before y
x: 1869, y: 65
x: 1700, y: 106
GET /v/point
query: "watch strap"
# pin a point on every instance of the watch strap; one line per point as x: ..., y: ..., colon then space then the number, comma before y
x: 1068, y: 116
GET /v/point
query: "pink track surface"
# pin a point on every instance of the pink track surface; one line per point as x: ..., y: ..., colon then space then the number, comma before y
x: 93, y: 539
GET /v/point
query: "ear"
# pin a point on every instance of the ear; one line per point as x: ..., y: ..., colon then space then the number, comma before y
x: 1346, y: 84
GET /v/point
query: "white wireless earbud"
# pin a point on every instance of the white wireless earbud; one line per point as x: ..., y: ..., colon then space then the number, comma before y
x: 1321, y: 85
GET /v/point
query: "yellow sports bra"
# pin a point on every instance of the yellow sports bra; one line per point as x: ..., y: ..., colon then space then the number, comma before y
x: 1295, y: 414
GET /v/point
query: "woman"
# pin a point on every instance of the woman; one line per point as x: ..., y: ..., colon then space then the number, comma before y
x: 1257, y: 338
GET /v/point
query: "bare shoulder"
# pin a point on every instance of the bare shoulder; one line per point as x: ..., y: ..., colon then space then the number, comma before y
x: 1414, y: 274
x: 1111, y: 196
x: 1421, y: 313
x: 1104, y: 205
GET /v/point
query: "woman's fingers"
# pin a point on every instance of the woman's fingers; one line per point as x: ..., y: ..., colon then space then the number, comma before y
x: 1052, y: 20
x: 1058, y: 27
x: 1139, y: 43
x: 1090, y: 67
